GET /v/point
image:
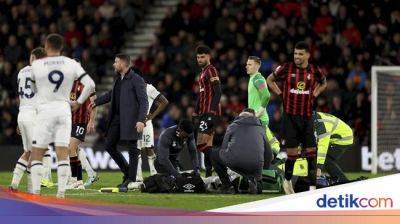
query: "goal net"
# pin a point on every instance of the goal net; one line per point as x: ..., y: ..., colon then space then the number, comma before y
x: 385, y: 119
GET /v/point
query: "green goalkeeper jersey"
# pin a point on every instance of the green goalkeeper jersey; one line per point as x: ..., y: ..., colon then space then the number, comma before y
x: 258, y: 95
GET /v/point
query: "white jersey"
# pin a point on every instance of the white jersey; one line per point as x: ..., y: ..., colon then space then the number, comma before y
x: 152, y: 94
x: 54, y: 78
x: 26, y: 92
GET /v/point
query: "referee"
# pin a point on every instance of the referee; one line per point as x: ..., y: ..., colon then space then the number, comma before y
x: 302, y: 82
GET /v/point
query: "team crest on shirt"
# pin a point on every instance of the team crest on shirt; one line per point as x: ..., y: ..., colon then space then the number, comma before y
x: 308, y: 76
x: 173, y: 144
x: 301, y: 85
x: 73, y: 96
x: 293, y: 75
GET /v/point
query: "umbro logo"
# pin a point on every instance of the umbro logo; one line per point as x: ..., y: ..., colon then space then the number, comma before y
x: 188, y: 187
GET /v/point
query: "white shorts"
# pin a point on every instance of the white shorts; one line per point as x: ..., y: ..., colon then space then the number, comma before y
x: 52, y: 124
x: 147, y: 140
x: 26, y: 122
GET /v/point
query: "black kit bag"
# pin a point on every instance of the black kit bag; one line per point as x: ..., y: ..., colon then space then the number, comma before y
x: 190, y: 183
x: 159, y: 183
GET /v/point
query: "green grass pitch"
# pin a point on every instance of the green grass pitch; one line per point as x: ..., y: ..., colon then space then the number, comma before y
x: 179, y: 201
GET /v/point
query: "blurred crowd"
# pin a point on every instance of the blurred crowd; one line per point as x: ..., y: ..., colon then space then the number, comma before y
x: 346, y: 37
x: 93, y: 31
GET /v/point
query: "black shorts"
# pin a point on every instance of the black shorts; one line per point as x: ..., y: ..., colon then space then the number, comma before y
x: 298, y: 130
x: 78, y: 131
x: 206, y: 124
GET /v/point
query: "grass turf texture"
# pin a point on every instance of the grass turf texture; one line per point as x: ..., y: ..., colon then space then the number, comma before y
x: 180, y: 201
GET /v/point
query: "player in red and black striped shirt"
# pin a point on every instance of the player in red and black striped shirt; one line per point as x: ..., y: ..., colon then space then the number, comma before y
x: 302, y: 82
x: 82, y: 122
x: 208, y: 107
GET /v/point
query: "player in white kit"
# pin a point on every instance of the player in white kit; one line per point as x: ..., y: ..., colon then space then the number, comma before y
x: 54, y: 77
x: 26, y: 117
x: 146, y: 143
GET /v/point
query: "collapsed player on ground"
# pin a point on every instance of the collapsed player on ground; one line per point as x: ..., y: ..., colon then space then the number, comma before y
x: 26, y: 117
x: 208, y: 108
x: 54, y: 77
x: 83, y: 120
x: 302, y: 82
x: 146, y: 143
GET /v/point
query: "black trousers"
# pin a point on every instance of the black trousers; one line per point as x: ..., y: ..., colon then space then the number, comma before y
x: 332, y: 167
x: 112, y: 140
x: 221, y: 168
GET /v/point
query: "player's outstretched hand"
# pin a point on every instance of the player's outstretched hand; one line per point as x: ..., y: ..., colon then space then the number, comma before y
x: 90, y: 127
x: 139, y: 127
x: 18, y: 131
x: 75, y: 106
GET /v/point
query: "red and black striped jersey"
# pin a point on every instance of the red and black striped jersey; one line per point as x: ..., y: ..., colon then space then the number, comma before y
x: 298, y: 87
x: 208, y: 75
x: 82, y: 115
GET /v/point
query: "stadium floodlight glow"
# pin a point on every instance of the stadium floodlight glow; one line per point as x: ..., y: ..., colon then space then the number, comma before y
x: 385, y: 112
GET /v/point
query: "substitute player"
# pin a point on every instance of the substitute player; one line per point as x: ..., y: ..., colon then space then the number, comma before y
x: 335, y: 137
x: 26, y: 116
x: 208, y: 108
x: 302, y: 82
x: 83, y: 121
x: 146, y: 143
x: 54, y: 77
x: 258, y: 98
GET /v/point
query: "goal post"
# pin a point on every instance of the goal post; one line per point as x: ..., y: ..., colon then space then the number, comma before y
x: 385, y: 118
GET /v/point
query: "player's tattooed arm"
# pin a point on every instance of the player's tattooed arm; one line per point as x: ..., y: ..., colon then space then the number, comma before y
x: 320, y: 88
x: 271, y: 81
x: 92, y: 119
x: 160, y: 103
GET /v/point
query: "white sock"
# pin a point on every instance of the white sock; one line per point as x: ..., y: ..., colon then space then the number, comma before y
x: 139, y: 174
x: 47, y: 166
x: 29, y: 181
x: 36, y: 176
x: 63, y: 173
x: 202, y: 164
x: 85, y: 163
x: 19, y: 170
x: 151, y: 160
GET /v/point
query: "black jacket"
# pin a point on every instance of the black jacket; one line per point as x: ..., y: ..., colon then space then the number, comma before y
x: 133, y: 105
x: 169, y: 147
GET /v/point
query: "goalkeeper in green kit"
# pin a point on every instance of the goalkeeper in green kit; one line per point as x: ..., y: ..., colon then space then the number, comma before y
x: 258, y: 98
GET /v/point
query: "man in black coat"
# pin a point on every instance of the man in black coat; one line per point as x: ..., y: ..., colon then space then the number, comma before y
x: 126, y: 120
